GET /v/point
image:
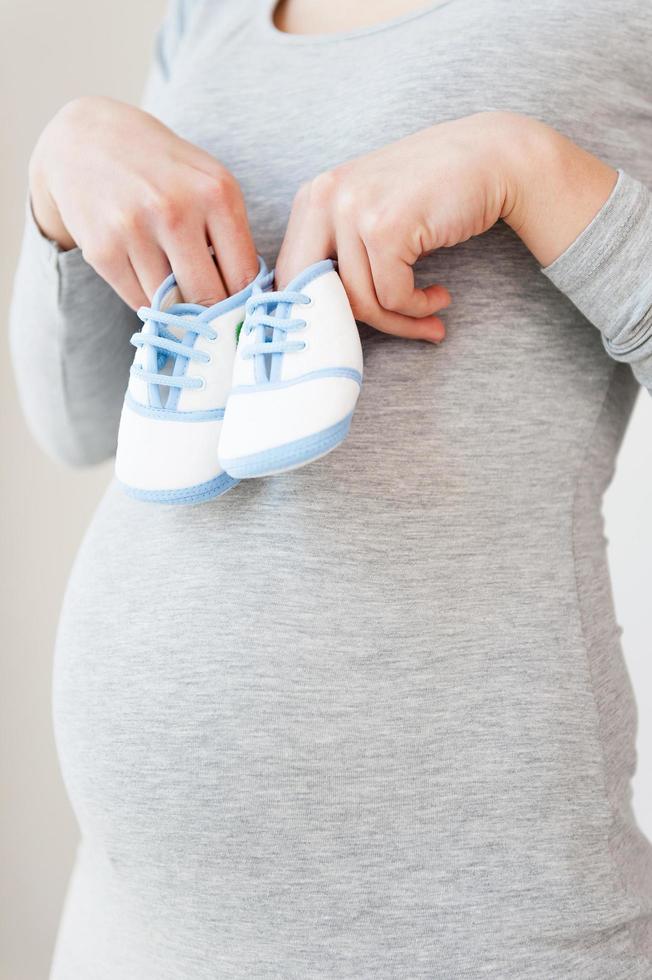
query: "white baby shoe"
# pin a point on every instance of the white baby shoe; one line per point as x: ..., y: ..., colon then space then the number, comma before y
x: 296, y: 377
x: 174, y: 404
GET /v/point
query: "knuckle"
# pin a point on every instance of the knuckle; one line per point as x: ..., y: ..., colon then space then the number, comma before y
x: 151, y: 200
x: 169, y: 213
x: 375, y: 225
x: 347, y: 201
x: 302, y: 195
x: 130, y: 221
x: 388, y: 295
x: 76, y: 108
x: 152, y: 206
x: 323, y: 188
x: 221, y: 191
x: 101, y: 256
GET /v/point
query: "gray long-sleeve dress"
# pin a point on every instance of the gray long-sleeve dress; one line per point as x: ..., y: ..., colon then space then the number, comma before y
x: 368, y: 719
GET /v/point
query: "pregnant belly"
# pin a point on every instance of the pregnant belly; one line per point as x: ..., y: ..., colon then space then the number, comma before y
x: 259, y: 713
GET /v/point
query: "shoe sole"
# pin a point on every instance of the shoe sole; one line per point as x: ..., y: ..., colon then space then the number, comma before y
x: 185, y: 495
x: 291, y: 456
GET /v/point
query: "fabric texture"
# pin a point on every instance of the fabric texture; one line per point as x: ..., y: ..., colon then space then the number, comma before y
x: 607, y: 272
x: 369, y: 719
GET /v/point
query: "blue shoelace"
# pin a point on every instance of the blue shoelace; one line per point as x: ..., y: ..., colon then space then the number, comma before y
x: 258, y: 315
x: 163, y: 345
x: 166, y: 349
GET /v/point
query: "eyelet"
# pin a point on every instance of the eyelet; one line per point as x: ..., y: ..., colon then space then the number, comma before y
x: 311, y: 301
x: 202, y: 382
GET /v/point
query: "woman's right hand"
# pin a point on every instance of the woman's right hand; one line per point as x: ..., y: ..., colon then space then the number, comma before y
x: 140, y: 201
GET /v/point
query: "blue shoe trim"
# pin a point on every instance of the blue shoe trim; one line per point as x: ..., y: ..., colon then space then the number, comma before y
x: 172, y: 415
x: 341, y: 372
x: 185, y: 495
x: 219, y: 308
x: 290, y: 455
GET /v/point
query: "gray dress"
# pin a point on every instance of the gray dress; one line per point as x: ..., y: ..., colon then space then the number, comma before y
x: 369, y: 719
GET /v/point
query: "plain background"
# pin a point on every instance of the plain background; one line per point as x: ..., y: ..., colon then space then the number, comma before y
x: 50, y: 53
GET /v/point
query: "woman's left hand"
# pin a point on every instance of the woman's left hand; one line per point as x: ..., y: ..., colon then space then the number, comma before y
x: 381, y: 212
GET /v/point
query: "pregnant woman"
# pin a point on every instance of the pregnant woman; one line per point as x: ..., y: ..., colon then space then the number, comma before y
x: 370, y: 718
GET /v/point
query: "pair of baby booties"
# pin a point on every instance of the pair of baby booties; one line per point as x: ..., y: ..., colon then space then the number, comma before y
x: 262, y: 382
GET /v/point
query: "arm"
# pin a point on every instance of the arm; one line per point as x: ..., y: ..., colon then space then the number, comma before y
x: 591, y: 234
x: 607, y: 273
x: 69, y: 330
x: 69, y: 334
x: 591, y: 229
x: 116, y: 200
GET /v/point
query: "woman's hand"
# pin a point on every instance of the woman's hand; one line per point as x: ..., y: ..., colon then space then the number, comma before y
x: 140, y: 201
x: 379, y: 213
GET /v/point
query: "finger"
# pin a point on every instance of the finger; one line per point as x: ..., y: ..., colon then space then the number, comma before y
x: 129, y: 287
x: 150, y: 265
x: 355, y: 273
x: 309, y: 237
x: 114, y: 266
x: 395, y: 287
x: 194, y: 268
x: 229, y: 233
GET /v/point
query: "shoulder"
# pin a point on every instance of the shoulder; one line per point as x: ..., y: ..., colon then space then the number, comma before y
x: 194, y: 18
x: 178, y: 17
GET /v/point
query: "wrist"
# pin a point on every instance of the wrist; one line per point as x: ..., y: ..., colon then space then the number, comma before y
x: 554, y: 188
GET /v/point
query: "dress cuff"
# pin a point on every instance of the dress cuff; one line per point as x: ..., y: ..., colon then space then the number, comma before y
x: 49, y: 255
x: 607, y: 273
x: 63, y: 273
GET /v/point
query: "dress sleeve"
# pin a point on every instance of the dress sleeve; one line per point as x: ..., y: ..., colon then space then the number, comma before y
x: 607, y: 273
x: 69, y: 331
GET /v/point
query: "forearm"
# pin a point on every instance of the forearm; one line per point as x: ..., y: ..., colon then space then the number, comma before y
x: 590, y: 227
x: 70, y: 348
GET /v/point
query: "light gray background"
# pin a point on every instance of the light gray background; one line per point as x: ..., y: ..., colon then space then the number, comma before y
x: 48, y: 54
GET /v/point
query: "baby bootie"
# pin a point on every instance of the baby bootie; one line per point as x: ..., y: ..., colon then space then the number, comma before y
x: 174, y: 405
x: 296, y: 376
